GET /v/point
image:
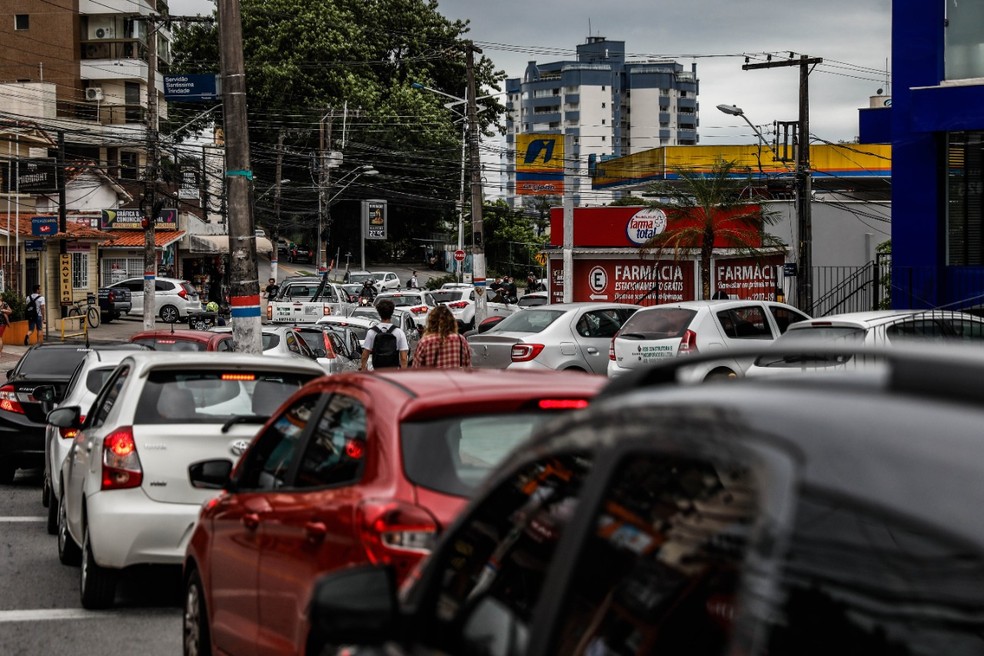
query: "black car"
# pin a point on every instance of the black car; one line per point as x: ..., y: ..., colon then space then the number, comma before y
x: 300, y: 254
x: 22, y: 415
x: 830, y: 514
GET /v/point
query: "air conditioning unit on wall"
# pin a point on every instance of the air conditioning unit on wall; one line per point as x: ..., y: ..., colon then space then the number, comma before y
x: 102, y: 27
x: 94, y: 93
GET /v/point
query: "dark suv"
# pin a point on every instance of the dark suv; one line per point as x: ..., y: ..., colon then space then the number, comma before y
x: 22, y: 415
x: 827, y: 515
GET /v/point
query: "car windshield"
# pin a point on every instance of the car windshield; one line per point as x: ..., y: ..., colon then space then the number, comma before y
x: 448, y: 296
x: 172, y: 343
x: 532, y: 301
x: 213, y: 397
x: 658, y: 323
x: 51, y: 362
x: 814, y: 335
x: 453, y: 455
x: 357, y: 330
x: 529, y: 321
x: 402, y: 300
x: 359, y: 277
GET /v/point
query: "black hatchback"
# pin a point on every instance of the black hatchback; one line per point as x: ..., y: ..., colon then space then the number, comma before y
x: 22, y: 415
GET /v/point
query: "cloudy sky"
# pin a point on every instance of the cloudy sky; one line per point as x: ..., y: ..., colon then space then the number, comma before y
x: 852, y: 36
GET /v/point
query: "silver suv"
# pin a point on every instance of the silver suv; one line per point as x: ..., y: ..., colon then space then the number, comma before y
x: 174, y: 298
x: 666, y: 331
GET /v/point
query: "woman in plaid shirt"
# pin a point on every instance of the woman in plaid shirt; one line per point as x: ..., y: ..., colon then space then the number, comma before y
x: 442, y: 347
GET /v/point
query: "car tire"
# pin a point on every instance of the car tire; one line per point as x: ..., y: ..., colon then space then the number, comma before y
x: 51, y: 524
x: 68, y: 552
x: 46, y: 490
x: 7, y: 471
x: 97, y: 585
x: 197, y: 639
x: 719, y: 375
x: 169, y: 314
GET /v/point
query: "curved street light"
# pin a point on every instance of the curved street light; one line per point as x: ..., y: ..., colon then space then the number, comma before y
x: 345, y: 181
x: 734, y: 110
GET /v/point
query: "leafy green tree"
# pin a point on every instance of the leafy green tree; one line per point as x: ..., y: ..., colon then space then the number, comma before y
x: 306, y: 61
x: 718, y: 205
x: 510, y: 239
x: 629, y: 201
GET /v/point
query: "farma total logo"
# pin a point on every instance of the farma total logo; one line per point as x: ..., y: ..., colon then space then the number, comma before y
x: 644, y: 225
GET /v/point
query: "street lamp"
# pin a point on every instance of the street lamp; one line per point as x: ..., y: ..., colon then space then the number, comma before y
x: 733, y: 110
x: 275, y: 255
x: 344, y: 182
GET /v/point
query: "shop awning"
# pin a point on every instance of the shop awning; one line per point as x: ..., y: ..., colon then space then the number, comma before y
x: 135, y: 238
x: 219, y: 244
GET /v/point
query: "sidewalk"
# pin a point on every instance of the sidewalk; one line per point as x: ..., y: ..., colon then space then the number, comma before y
x: 119, y: 330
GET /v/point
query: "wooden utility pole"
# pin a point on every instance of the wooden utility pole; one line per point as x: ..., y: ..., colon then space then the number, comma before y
x: 244, y: 297
x: 478, y: 239
x: 804, y: 178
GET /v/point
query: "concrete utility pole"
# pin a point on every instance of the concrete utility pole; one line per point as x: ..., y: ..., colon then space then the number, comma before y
x: 478, y: 240
x: 804, y: 178
x: 324, y: 171
x: 150, y: 184
x: 275, y: 233
x: 244, y: 297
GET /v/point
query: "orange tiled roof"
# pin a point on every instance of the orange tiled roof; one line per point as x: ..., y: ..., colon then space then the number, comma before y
x: 22, y: 226
x: 135, y: 238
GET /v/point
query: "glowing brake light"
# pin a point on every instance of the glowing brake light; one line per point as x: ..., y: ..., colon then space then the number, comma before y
x: 457, y: 305
x: 70, y: 433
x: 8, y: 400
x: 562, y: 404
x: 121, y: 467
x: 238, y: 376
x: 419, y: 309
x: 167, y: 341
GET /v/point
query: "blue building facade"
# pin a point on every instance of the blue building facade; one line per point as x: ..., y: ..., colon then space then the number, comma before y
x: 936, y: 128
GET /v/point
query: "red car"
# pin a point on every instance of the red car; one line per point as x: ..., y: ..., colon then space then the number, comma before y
x: 184, y: 340
x: 352, y: 469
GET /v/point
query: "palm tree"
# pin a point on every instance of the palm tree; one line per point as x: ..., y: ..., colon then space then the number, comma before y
x: 717, y: 205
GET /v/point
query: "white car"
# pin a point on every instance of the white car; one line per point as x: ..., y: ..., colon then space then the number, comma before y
x: 417, y: 303
x: 461, y: 302
x: 667, y: 331
x: 533, y: 299
x: 81, y: 391
x: 881, y: 328
x: 279, y: 340
x: 359, y: 325
x: 386, y: 280
x: 298, y: 301
x: 174, y: 299
x: 127, y: 497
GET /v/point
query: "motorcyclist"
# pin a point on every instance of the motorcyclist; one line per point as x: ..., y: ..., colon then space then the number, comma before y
x: 367, y: 293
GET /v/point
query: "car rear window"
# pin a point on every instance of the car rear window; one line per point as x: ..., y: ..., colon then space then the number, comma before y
x: 210, y: 397
x: 189, y: 288
x: 172, y: 344
x: 314, y: 340
x: 850, y: 334
x: 270, y: 340
x: 658, y: 323
x: 402, y: 300
x: 532, y: 301
x: 527, y: 321
x: 446, y: 296
x: 453, y: 455
x: 96, y: 377
x: 51, y: 362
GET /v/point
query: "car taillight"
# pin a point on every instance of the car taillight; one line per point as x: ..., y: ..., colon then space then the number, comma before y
x: 121, y: 465
x: 420, y: 309
x: 611, y: 349
x: 525, y: 352
x: 688, y: 345
x: 111, y: 296
x: 269, y: 311
x: 182, y: 293
x: 326, y: 310
x: 396, y: 533
x: 562, y: 404
x: 8, y: 400
x: 70, y: 433
x: 457, y: 305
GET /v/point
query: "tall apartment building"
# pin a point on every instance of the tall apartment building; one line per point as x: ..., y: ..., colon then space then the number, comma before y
x: 95, y: 53
x: 610, y: 107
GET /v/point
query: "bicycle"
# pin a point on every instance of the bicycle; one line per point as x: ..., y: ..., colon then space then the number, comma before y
x: 89, y: 309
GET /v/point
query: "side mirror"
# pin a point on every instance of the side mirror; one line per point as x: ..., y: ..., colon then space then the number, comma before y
x: 356, y: 605
x: 210, y: 474
x: 69, y: 417
x: 44, y: 393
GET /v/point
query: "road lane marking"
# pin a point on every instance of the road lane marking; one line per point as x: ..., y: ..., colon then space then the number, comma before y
x: 44, y: 614
x: 23, y: 519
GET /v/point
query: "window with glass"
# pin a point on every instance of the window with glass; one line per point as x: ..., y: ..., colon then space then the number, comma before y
x: 964, y: 50
x: 22, y: 22
x: 110, y: 394
x: 335, y: 454
x: 745, y: 323
x: 270, y: 458
x: 80, y: 271
x: 965, y: 198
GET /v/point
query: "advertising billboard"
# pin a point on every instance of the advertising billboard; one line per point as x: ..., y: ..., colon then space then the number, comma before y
x: 539, y: 164
x: 374, y: 219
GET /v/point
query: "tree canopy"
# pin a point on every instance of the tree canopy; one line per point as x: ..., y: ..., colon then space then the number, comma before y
x: 341, y: 73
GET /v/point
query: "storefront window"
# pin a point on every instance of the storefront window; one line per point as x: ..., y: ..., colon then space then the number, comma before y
x: 80, y: 271
x: 964, y: 39
x: 965, y: 199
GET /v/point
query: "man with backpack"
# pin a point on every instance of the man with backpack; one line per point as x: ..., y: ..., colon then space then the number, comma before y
x: 386, y: 343
x: 34, y: 313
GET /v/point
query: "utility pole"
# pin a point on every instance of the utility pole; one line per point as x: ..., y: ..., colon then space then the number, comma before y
x: 62, y: 220
x: 275, y: 232
x: 150, y: 184
x: 324, y: 169
x: 478, y: 240
x: 244, y: 297
x: 804, y: 178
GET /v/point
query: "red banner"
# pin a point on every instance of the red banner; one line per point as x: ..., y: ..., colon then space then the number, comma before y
x: 631, y: 280
x: 748, y: 278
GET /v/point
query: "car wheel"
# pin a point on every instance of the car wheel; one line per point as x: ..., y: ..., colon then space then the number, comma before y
x: 169, y: 314
x: 46, y: 491
x: 719, y: 375
x: 68, y: 551
x: 52, y: 522
x: 197, y: 638
x: 7, y: 471
x: 97, y: 584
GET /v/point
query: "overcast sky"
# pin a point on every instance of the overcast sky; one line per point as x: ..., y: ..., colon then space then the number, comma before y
x: 852, y: 36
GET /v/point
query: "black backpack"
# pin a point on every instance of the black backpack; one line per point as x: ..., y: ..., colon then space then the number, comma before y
x: 31, y: 311
x: 385, y: 352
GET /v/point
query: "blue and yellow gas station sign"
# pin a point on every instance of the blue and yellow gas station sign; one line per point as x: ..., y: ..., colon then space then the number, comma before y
x: 539, y: 164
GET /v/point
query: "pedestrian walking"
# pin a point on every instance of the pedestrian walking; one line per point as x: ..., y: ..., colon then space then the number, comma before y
x: 5, y: 311
x: 35, y: 316
x: 442, y: 347
x: 412, y: 282
x: 385, y: 343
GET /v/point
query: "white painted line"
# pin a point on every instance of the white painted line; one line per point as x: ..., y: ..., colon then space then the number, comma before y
x: 23, y: 519
x: 48, y: 614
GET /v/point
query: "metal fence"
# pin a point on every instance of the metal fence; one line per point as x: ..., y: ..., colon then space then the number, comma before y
x: 839, y: 289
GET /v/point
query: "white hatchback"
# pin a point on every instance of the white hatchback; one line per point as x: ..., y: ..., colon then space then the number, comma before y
x: 174, y: 298
x: 127, y: 497
x: 461, y: 302
x: 667, y: 331
x: 417, y: 303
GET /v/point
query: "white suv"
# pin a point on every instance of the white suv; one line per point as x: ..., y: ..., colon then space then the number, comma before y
x: 667, y: 331
x: 174, y: 298
x: 461, y: 302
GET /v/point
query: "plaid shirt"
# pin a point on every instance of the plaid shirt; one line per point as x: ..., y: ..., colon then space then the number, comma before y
x: 434, y: 353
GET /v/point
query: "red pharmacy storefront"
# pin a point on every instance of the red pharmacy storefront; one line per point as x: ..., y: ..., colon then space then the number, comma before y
x: 609, y: 264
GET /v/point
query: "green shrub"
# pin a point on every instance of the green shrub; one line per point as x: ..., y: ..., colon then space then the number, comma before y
x: 435, y: 283
x: 17, y: 303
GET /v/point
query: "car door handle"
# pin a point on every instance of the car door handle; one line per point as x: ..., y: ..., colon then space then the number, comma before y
x: 251, y: 521
x: 315, y: 531
x: 592, y: 350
